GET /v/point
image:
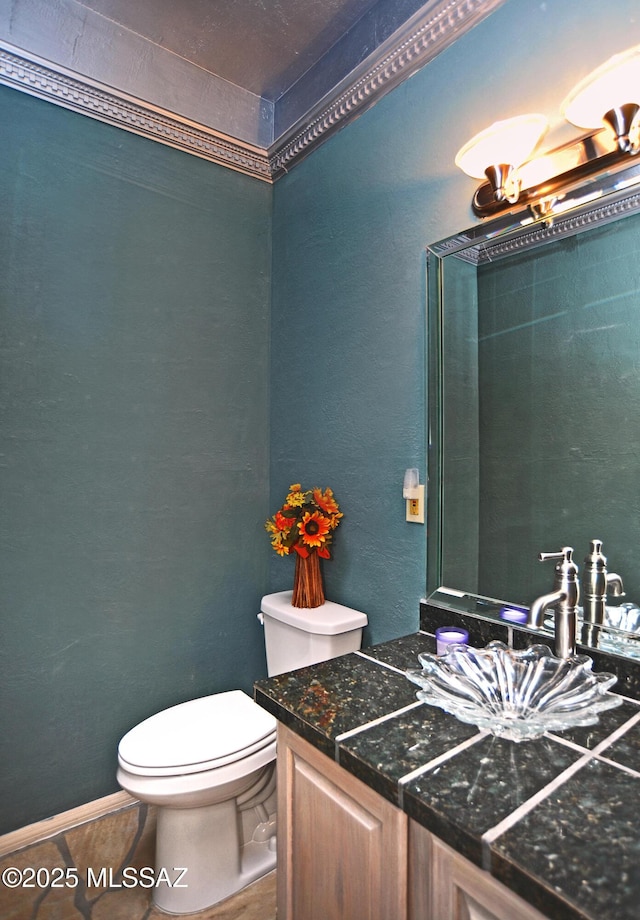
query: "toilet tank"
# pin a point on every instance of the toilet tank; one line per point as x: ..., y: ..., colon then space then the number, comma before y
x: 298, y: 636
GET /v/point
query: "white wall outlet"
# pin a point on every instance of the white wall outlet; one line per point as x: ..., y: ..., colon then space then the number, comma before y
x: 415, y: 507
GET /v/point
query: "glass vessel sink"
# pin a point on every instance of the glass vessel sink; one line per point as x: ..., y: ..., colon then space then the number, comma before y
x: 515, y: 694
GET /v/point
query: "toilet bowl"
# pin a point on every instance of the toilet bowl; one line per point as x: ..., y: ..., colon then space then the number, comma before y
x: 208, y: 765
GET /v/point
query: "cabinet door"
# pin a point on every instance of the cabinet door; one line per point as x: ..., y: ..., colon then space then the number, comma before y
x: 457, y: 889
x: 342, y: 848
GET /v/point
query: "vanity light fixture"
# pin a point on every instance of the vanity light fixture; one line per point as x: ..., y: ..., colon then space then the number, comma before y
x: 606, y: 103
x: 610, y: 94
x: 499, y: 150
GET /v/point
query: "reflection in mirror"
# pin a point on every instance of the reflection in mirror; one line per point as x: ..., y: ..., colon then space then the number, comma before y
x: 535, y: 406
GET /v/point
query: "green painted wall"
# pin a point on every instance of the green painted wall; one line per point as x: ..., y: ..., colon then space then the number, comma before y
x: 139, y: 366
x: 134, y: 299
x: 350, y: 227
x: 559, y: 372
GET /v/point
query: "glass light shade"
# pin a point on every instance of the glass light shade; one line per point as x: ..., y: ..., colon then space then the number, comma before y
x: 510, y: 142
x: 614, y: 83
x: 545, y: 167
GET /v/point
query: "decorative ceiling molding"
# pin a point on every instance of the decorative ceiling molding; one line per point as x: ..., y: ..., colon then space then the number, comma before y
x: 593, y: 215
x: 424, y: 36
x: 39, y: 78
x: 421, y: 39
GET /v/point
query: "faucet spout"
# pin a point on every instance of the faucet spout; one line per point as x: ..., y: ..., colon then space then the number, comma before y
x: 541, y: 604
x: 614, y: 582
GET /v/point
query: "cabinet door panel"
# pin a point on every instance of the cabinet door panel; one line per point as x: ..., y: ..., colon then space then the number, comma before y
x: 343, y: 854
x: 460, y: 890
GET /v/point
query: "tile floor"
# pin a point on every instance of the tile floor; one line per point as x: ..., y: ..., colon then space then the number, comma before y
x: 124, y: 838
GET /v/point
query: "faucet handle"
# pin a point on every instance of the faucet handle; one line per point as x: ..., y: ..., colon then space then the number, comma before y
x: 566, y: 573
x: 564, y: 557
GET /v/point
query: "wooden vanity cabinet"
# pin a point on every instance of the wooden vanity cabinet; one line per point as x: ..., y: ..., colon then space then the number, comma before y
x: 453, y: 888
x: 342, y: 853
x: 346, y: 853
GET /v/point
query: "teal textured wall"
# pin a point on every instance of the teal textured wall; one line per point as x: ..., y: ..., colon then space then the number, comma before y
x: 139, y: 369
x: 134, y: 299
x: 350, y: 227
x: 559, y: 372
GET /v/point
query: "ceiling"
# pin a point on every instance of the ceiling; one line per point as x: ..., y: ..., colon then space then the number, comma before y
x: 263, y: 46
x: 252, y: 84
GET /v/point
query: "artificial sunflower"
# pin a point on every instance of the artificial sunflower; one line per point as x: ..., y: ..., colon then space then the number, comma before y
x: 305, y: 523
x: 313, y: 528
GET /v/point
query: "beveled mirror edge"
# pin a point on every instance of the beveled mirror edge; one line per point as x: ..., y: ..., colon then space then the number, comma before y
x: 606, y: 200
x: 609, y: 199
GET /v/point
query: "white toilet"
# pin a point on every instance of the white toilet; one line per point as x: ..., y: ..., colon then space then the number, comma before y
x: 208, y: 765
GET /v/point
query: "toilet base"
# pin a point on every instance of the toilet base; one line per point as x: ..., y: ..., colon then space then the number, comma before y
x: 205, y: 842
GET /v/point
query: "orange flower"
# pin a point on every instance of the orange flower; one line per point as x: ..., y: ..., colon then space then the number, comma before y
x: 313, y: 528
x: 282, y: 522
x: 326, y: 501
x: 305, y: 523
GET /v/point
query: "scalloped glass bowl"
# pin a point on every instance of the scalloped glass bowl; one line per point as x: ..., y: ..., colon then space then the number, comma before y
x: 518, y: 695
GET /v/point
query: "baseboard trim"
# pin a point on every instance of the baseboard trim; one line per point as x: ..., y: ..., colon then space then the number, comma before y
x: 31, y: 834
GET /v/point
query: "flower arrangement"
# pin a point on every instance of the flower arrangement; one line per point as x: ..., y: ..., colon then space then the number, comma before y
x: 304, y: 526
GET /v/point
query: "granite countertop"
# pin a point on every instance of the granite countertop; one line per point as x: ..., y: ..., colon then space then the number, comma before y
x: 555, y: 819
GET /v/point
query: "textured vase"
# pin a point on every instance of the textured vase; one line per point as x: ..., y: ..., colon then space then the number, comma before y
x: 307, y: 582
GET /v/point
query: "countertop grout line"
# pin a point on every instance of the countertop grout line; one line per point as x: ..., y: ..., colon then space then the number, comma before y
x: 618, y: 733
x: 365, y: 725
x: 492, y: 834
x: 619, y: 766
x: 382, y: 664
x: 436, y: 762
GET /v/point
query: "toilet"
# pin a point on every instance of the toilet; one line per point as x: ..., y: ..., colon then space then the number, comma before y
x: 208, y: 765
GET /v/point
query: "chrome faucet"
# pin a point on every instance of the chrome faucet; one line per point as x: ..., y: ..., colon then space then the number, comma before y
x: 563, y: 599
x: 596, y: 582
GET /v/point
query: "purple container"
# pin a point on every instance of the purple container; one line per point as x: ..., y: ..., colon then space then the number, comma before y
x: 450, y: 635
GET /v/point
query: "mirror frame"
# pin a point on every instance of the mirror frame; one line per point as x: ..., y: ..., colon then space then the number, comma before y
x: 607, y: 199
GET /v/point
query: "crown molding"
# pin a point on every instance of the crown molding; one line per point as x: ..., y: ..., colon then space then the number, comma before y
x: 55, y: 84
x: 593, y: 215
x: 436, y: 26
x: 425, y: 35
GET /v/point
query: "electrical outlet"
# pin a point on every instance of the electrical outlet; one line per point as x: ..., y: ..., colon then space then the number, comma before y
x: 415, y: 507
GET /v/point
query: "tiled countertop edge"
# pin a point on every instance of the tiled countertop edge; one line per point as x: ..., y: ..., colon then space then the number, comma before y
x: 479, y: 849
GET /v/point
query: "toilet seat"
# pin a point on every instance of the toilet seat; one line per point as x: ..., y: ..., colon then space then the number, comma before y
x: 196, y: 736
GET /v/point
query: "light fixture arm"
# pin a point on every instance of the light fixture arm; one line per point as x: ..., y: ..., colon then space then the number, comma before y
x: 504, y: 182
x: 621, y: 118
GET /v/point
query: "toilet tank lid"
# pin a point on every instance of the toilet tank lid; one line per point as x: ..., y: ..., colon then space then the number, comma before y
x: 330, y: 619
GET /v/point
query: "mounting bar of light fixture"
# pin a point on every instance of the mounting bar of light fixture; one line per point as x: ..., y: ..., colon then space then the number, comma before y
x: 593, y: 158
x: 606, y: 103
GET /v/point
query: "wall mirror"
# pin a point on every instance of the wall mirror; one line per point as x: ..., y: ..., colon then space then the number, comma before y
x: 534, y: 395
